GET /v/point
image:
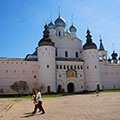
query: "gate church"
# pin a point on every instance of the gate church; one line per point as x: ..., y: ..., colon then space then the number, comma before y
x: 61, y: 62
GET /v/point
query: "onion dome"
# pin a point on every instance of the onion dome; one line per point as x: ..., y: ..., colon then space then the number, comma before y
x: 114, y: 55
x: 72, y: 28
x: 89, y: 44
x: 46, y: 40
x: 51, y: 25
x: 60, y: 22
x: 109, y: 59
x: 119, y: 58
x: 67, y: 33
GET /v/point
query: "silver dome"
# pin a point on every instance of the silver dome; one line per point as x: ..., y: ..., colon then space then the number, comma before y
x: 51, y: 25
x: 72, y: 28
x: 60, y: 22
x: 67, y: 33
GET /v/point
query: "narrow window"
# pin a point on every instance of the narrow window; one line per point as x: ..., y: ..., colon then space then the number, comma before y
x: 87, y: 67
x: 47, y: 66
x: 60, y: 66
x: 59, y: 33
x: 81, y: 67
x: 64, y: 66
x: 34, y: 76
x: 57, y: 66
x: 56, y: 52
x: 1, y: 90
x: 66, y: 54
x: 74, y: 66
x: 78, y: 67
x: 76, y: 54
x: 6, y: 71
x: 71, y: 67
x: 67, y: 66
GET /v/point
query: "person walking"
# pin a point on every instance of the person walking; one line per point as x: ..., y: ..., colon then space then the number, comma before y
x: 38, y: 102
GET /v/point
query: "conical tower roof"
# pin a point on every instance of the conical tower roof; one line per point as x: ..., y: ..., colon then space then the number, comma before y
x: 46, y: 40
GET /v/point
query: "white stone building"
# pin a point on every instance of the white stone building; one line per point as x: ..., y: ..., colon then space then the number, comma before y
x: 61, y: 62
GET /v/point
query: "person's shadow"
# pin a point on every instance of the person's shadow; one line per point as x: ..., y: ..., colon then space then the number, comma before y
x: 27, y: 115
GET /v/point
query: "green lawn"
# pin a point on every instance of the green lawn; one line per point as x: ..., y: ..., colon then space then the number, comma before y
x: 53, y: 95
x: 29, y: 96
x: 110, y: 91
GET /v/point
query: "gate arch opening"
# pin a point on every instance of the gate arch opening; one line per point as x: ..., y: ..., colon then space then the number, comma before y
x: 70, y: 87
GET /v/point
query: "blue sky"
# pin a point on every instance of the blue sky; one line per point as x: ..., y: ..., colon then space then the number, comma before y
x: 22, y: 23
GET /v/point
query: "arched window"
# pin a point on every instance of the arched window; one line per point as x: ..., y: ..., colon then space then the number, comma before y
x: 70, y: 73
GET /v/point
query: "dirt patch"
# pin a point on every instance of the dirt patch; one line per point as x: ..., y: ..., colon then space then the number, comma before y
x: 106, y: 106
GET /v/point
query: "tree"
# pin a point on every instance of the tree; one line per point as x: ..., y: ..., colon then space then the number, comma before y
x: 42, y: 88
x: 20, y: 87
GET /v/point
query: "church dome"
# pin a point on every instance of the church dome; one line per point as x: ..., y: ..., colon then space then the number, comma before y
x: 51, y: 25
x: 109, y: 60
x: 46, y: 40
x: 67, y: 33
x: 89, y: 44
x: 114, y: 55
x: 72, y: 28
x: 60, y: 22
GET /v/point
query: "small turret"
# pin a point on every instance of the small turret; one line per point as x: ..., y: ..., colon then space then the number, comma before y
x: 67, y: 33
x: 101, y: 48
x: 45, y: 40
x: 51, y: 28
x: 89, y: 44
x: 60, y: 24
x: 109, y: 60
x: 114, y: 57
x: 73, y: 31
x: 102, y: 52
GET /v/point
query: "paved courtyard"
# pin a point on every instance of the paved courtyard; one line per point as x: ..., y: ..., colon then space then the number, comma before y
x: 106, y: 106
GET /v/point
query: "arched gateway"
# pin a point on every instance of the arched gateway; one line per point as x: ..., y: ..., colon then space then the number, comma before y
x: 70, y: 87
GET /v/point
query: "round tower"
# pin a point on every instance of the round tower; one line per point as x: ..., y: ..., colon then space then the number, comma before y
x: 46, y: 63
x: 91, y: 64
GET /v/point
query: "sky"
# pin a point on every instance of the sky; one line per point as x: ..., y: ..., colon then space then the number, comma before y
x: 22, y: 23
